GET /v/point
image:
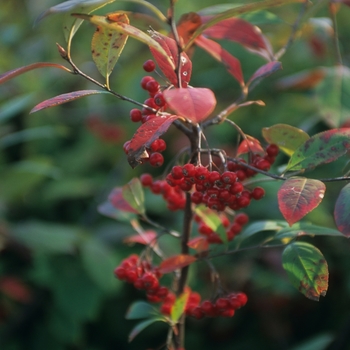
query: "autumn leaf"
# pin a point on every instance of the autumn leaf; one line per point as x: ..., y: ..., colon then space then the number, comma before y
x: 176, y: 262
x: 250, y: 144
x: 342, y: 211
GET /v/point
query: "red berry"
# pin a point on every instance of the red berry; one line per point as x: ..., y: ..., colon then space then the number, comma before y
x: 162, y: 292
x: 204, y: 229
x: 152, y: 86
x: 149, y: 66
x: 120, y: 273
x: 156, y: 159
x: 159, y: 99
x: 227, y: 313
x: 243, y: 201
x: 176, y: 172
x: 145, y: 80
x: 150, y: 281
x: 242, y: 298
x: 232, y: 166
x: 158, y: 145
x: 237, y: 187
x: 272, y: 150
x: 263, y: 164
x: 208, y: 308
x: 222, y: 304
x: 196, y: 197
x: 241, y: 175
x: 135, y: 115
x: 165, y: 309
x: 150, y: 102
x: 235, y: 228
x: 146, y: 180
x: 241, y: 218
x: 189, y: 170
x: 258, y: 193
x: 228, y: 177
x: 201, y: 173
x: 214, y: 176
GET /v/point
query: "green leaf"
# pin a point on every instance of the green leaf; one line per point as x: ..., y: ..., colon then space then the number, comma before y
x: 133, y: 194
x: 99, y: 263
x: 212, y: 219
x: 142, y: 325
x: 287, y: 137
x: 321, y: 148
x: 306, y: 268
x: 14, y: 106
x: 141, y: 309
x: 179, y: 307
x: 46, y: 237
x: 107, y: 46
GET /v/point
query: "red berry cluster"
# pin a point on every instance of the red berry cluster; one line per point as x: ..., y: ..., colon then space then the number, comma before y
x: 232, y: 230
x: 174, y: 196
x: 143, y: 276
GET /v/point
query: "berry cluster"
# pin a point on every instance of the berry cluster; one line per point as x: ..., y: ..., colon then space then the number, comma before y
x: 146, y: 277
x: 232, y: 229
x: 156, y: 103
x: 174, y: 196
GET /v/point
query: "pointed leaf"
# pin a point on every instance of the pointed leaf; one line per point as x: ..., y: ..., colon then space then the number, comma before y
x: 18, y: 71
x: 147, y: 237
x: 264, y: 72
x: 142, y: 325
x: 250, y: 144
x: 321, y: 148
x: 133, y: 194
x: 307, y: 269
x: 168, y: 66
x: 145, y: 135
x: 187, y: 25
x: 230, y: 62
x: 342, y: 211
x: 64, y: 98
x: 212, y: 220
x: 194, y: 104
x: 128, y: 30
x: 298, y: 196
x: 176, y: 262
x: 141, y: 309
x: 107, y: 45
x: 118, y: 201
x: 200, y: 244
x: 178, y: 307
x: 240, y: 31
x: 239, y: 10
x: 288, y: 138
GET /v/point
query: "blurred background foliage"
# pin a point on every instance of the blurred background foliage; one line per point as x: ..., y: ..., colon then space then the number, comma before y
x: 57, y: 254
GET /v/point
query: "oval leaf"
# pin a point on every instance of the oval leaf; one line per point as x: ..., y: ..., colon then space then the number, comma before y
x: 118, y: 201
x: 321, y: 148
x: 194, y: 104
x: 107, y: 45
x: 142, y: 325
x: 307, y: 269
x: 176, y: 262
x: 264, y: 72
x: 145, y: 135
x: 18, y: 71
x: 230, y: 62
x: 287, y: 137
x: 178, y: 307
x: 134, y: 196
x: 141, y: 309
x: 200, y: 244
x: 64, y: 98
x: 145, y: 238
x: 342, y: 211
x: 168, y: 68
x: 298, y: 196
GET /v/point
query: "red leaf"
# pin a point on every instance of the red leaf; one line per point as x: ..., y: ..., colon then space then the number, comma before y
x: 187, y: 25
x: 342, y: 211
x: 265, y: 71
x: 145, y: 238
x: 251, y: 144
x: 176, y: 262
x: 298, y: 196
x: 200, y: 244
x: 18, y: 71
x: 170, y: 47
x: 15, y: 289
x: 240, y: 31
x: 117, y: 200
x: 194, y: 104
x: 64, y: 98
x: 145, y: 135
x: 231, y: 63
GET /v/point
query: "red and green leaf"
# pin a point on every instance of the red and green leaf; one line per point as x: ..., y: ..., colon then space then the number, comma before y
x: 145, y: 238
x: 264, y: 72
x: 298, y: 196
x: 287, y: 137
x: 18, y: 71
x: 178, y: 307
x: 119, y: 202
x: 199, y: 244
x: 342, y: 211
x: 307, y: 269
x: 176, y: 262
x: 321, y: 148
x: 107, y: 45
x: 64, y: 98
x: 230, y: 62
x: 133, y: 194
x: 145, y: 135
x: 195, y: 104
x: 168, y: 66
x: 250, y: 144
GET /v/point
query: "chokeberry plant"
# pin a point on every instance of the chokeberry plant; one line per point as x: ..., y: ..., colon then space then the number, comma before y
x: 209, y: 183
